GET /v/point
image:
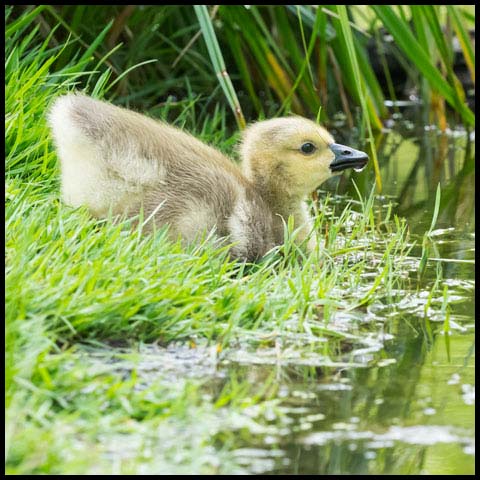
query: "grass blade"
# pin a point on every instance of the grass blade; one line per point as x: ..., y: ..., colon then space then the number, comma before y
x: 23, y: 20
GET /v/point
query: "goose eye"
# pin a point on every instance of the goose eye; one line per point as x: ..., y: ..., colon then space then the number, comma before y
x: 308, y: 148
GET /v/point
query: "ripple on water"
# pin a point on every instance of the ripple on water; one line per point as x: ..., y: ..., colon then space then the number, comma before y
x: 415, y: 435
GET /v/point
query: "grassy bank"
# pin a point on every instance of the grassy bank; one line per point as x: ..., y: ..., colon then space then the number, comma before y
x: 74, y: 284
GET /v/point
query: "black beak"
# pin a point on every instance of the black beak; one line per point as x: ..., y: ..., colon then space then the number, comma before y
x: 346, y: 157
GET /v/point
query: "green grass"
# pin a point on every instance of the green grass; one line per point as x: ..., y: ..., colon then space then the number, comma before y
x: 73, y: 282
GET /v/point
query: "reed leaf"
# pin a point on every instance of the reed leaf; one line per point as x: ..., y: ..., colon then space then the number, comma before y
x: 342, y: 56
x: 372, y: 84
x: 322, y: 56
x: 272, y: 68
x: 266, y: 49
x: 218, y: 63
x: 464, y: 39
x: 307, y: 54
x: 245, y: 74
x: 421, y: 58
x: 360, y: 87
x: 273, y: 45
x: 446, y: 52
x: 288, y: 39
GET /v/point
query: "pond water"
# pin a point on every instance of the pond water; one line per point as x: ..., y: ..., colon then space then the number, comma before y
x: 400, y: 397
x: 410, y: 408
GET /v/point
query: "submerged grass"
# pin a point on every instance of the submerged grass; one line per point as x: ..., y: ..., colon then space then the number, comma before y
x: 73, y: 281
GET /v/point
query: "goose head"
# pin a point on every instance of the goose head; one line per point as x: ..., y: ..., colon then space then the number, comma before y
x: 291, y: 156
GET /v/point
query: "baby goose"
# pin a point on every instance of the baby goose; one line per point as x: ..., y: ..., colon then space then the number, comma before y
x: 119, y: 161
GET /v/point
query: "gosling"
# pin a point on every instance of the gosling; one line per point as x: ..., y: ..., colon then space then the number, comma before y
x: 116, y: 161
